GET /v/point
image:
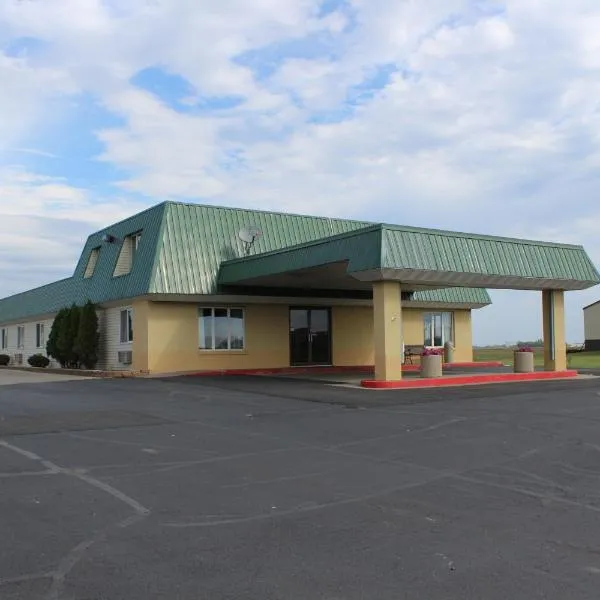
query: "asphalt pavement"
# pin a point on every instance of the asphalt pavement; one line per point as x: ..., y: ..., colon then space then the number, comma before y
x: 257, y: 488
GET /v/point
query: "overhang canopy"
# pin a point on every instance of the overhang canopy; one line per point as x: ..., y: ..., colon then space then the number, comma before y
x: 421, y: 259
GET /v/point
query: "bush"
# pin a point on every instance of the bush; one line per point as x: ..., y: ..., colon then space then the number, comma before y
x: 38, y: 360
x: 52, y: 346
x: 74, y: 337
x: 4, y: 360
x: 69, y: 326
x: 87, y: 340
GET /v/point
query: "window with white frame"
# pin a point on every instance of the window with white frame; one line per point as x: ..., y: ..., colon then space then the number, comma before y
x: 20, y: 336
x: 92, y: 261
x: 40, y: 337
x: 126, y: 326
x: 221, y: 328
x: 438, y: 328
x: 4, y: 338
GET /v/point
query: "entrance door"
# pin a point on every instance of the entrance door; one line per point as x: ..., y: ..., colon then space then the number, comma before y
x: 310, y: 336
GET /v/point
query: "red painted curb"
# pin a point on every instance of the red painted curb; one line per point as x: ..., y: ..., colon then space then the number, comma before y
x: 482, y: 364
x: 467, y: 379
x: 331, y: 370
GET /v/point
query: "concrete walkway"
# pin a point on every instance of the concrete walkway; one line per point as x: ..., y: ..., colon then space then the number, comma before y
x: 14, y: 377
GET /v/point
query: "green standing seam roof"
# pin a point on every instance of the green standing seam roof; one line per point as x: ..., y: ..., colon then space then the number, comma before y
x: 467, y: 253
x: 184, y: 247
x: 197, y: 239
x: 379, y: 247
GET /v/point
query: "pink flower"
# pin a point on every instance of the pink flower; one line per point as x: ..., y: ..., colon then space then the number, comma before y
x: 432, y: 352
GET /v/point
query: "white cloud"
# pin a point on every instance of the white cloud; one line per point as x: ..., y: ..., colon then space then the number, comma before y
x: 488, y: 121
x: 44, y: 223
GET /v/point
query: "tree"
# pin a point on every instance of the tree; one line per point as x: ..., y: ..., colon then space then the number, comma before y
x: 53, y: 348
x: 67, y: 335
x: 88, y: 338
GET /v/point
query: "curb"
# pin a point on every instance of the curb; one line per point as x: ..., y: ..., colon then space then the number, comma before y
x: 467, y: 380
x: 333, y: 370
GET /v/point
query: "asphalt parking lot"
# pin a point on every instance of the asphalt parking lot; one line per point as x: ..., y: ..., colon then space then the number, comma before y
x: 265, y: 488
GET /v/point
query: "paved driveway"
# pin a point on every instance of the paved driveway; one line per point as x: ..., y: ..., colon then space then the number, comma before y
x: 12, y: 377
x: 259, y: 488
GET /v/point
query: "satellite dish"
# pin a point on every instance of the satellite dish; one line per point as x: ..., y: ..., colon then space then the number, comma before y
x: 249, y: 235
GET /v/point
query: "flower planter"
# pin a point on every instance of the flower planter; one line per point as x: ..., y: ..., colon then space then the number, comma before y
x: 524, y: 362
x: 431, y: 366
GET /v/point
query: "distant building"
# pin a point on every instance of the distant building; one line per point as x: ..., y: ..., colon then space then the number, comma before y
x: 591, y: 320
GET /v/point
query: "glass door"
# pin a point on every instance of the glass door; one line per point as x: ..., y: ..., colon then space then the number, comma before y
x: 310, y: 336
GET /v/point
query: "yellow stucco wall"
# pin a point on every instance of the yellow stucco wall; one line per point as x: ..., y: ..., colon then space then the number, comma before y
x: 463, y: 336
x: 352, y: 330
x: 142, y: 320
x: 413, y: 331
x: 173, y: 339
x: 166, y: 337
x: 352, y: 333
x: 352, y: 336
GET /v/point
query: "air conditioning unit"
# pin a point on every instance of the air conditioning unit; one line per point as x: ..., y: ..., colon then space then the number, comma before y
x: 125, y: 357
x: 18, y: 359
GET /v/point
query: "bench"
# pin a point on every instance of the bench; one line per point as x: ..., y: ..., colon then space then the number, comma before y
x: 410, y: 352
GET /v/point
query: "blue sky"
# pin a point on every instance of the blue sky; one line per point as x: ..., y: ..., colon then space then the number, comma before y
x: 470, y: 115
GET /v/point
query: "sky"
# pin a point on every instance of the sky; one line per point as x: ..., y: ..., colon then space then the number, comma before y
x: 468, y: 115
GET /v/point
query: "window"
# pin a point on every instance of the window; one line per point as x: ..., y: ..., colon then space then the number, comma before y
x: 129, y: 249
x: 438, y: 328
x: 4, y: 339
x: 221, y: 328
x: 20, y: 336
x: 91, y: 265
x: 40, y: 338
x: 126, y: 326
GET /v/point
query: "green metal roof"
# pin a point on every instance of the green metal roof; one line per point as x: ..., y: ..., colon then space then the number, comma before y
x: 433, y: 250
x: 197, y: 239
x: 429, y: 257
x: 184, y: 247
x: 475, y: 297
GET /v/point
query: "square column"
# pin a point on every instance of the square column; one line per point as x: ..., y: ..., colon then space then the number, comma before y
x: 555, y: 347
x: 387, y: 330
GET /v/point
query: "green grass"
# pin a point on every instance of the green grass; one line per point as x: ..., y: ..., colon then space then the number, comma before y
x: 576, y: 360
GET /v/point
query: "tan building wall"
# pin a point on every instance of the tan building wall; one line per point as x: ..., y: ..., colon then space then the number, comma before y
x: 352, y: 336
x: 352, y: 333
x: 463, y: 336
x: 171, y: 337
x: 166, y: 337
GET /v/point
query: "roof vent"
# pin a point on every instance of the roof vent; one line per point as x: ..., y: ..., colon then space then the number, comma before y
x: 249, y: 235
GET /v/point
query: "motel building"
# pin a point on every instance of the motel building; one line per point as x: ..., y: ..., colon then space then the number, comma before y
x: 190, y: 288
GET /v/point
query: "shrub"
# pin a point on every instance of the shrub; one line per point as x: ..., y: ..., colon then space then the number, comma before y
x: 38, y: 360
x: 86, y: 343
x: 67, y: 335
x: 53, y: 348
x: 4, y: 360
